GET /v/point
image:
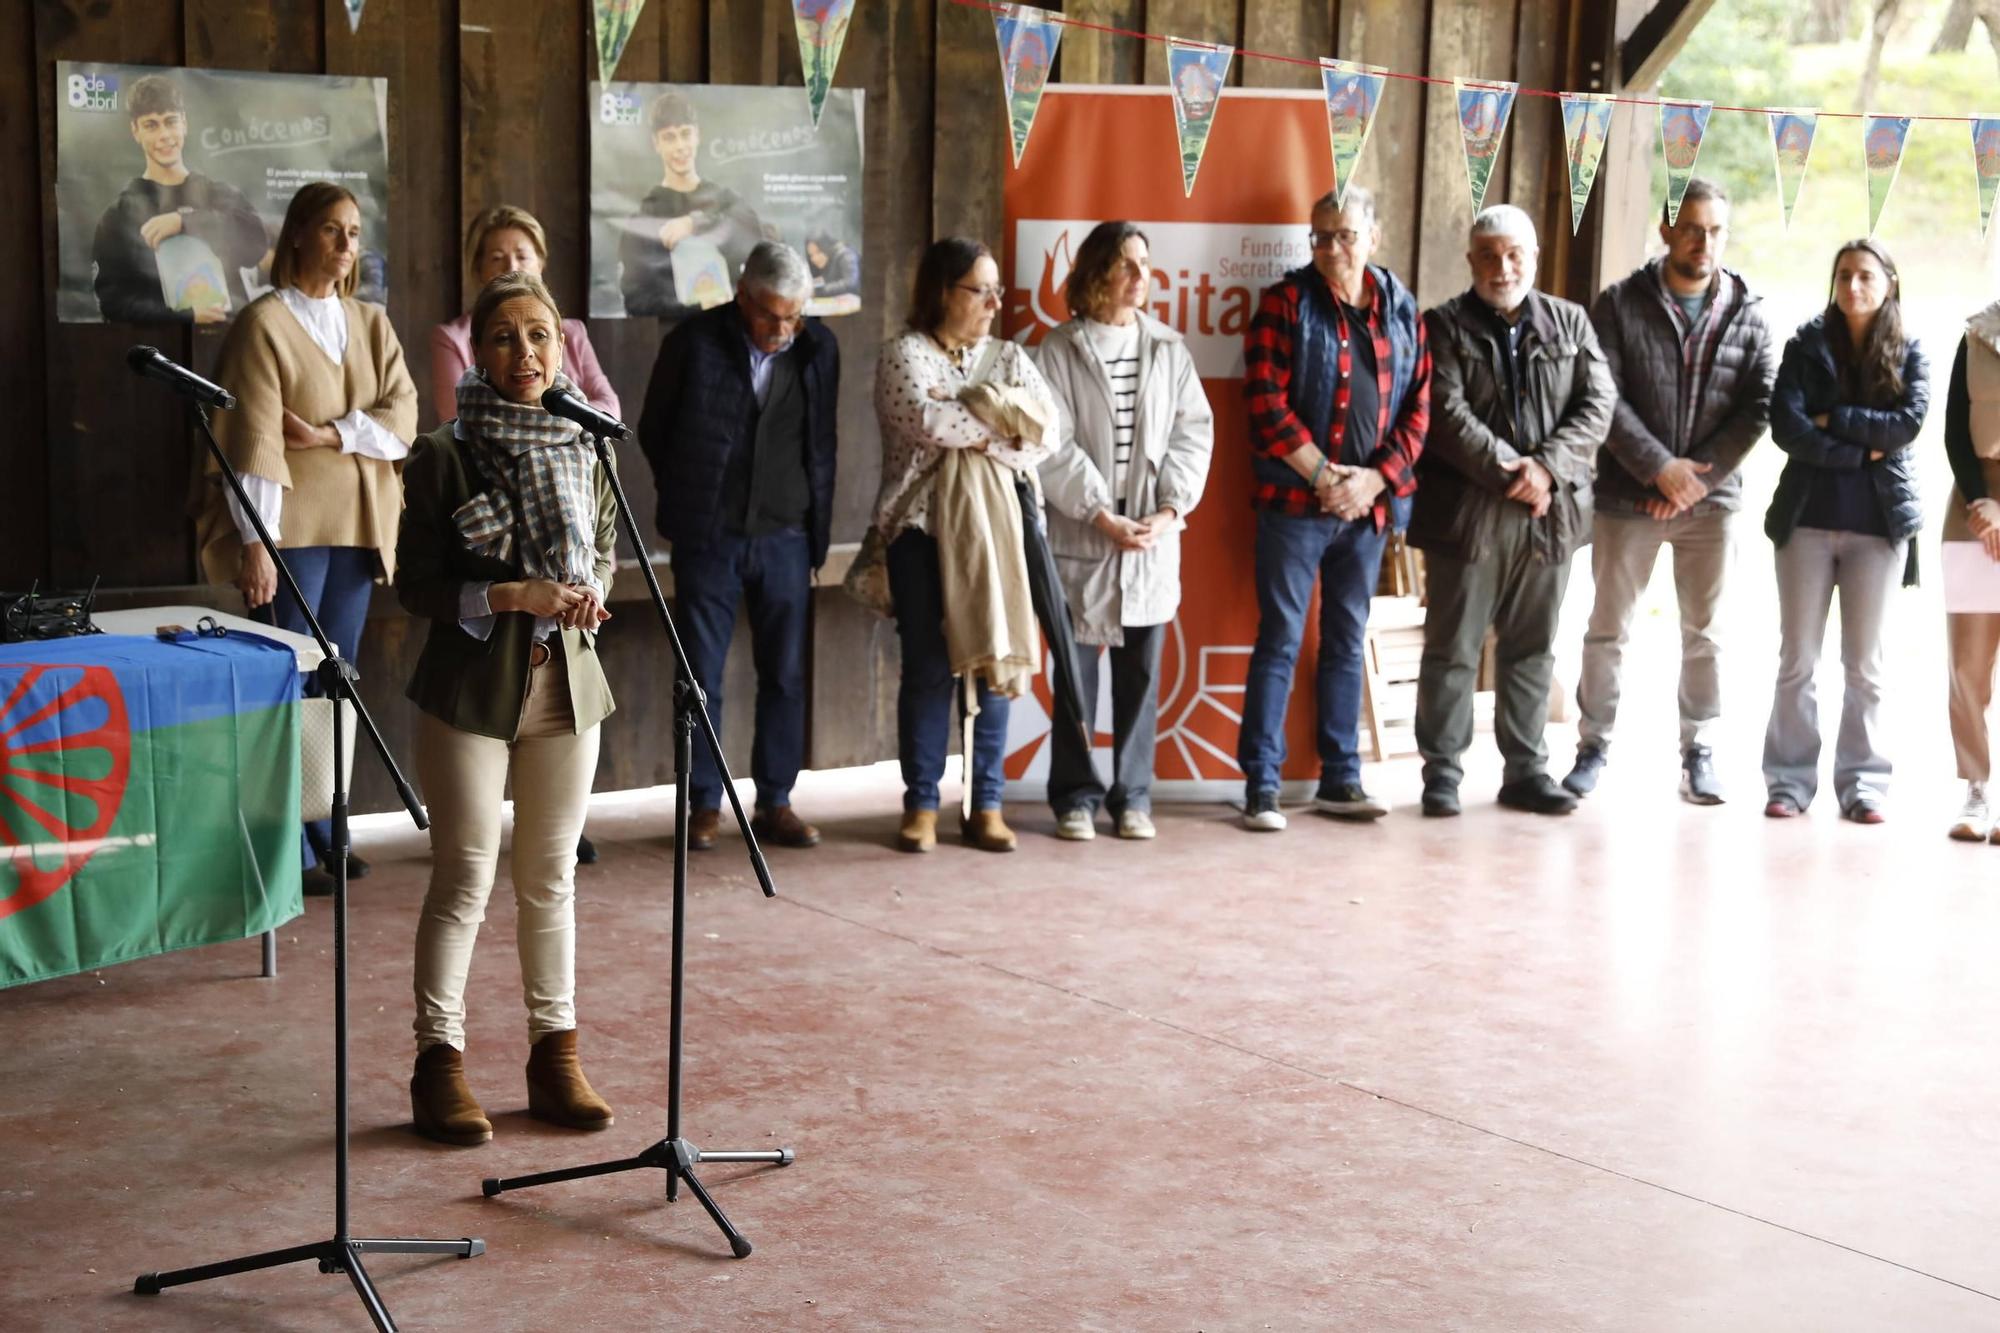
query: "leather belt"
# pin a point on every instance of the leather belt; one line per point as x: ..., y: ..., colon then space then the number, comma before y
x: 538, y: 653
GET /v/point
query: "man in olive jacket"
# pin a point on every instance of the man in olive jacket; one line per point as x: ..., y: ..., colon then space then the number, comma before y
x: 1520, y: 401
x: 1694, y: 364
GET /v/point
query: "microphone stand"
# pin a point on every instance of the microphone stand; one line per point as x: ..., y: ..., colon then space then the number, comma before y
x: 342, y: 1252
x: 673, y: 1154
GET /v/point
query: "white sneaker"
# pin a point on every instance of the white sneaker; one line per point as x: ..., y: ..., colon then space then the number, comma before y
x: 1975, y: 819
x: 1077, y: 825
x: 1135, y: 824
x: 1262, y: 815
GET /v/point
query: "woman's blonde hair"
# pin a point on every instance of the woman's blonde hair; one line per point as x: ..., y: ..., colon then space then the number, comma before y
x: 314, y: 201
x: 499, y: 218
x: 504, y: 289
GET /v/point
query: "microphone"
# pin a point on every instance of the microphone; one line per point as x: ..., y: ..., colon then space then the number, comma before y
x: 155, y: 365
x: 561, y: 402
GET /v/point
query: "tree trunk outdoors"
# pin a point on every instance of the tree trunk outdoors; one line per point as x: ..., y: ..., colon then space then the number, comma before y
x: 1823, y: 21
x: 1989, y: 14
x: 1956, y: 30
x: 1878, y: 36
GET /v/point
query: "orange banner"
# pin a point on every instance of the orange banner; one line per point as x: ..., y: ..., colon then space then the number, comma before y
x: 1108, y: 153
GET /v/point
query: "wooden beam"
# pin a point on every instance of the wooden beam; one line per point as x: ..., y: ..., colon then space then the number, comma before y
x: 1657, y: 38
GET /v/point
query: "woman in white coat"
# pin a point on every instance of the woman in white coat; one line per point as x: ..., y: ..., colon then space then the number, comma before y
x: 1129, y: 465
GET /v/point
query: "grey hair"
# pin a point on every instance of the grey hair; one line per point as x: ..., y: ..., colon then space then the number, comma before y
x: 1505, y: 220
x: 778, y: 269
x: 1360, y: 201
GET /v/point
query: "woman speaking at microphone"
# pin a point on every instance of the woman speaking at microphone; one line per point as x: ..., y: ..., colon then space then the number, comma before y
x: 506, y: 548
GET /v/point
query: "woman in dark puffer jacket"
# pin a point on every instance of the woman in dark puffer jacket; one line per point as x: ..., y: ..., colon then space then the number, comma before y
x: 1851, y: 396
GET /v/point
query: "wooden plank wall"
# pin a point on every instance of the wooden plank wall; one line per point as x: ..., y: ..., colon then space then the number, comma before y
x: 487, y: 104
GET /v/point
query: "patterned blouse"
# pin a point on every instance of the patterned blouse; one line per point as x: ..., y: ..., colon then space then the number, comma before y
x: 916, y: 400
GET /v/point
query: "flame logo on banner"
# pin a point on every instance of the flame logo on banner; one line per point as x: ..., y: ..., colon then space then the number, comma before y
x: 1682, y: 125
x: 1882, y: 147
x: 1792, y: 139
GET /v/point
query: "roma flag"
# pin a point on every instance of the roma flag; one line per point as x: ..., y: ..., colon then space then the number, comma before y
x: 149, y: 798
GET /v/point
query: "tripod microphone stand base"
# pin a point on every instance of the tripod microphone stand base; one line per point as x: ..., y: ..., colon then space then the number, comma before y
x: 333, y: 1256
x: 678, y: 1158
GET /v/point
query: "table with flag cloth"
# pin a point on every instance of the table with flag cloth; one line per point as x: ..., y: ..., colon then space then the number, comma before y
x: 149, y: 797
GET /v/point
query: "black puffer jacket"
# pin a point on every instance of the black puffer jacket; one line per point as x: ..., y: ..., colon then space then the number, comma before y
x: 1642, y: 343
x: 1808, y: 386
x: 1461, y: 481
x: 700, y: 404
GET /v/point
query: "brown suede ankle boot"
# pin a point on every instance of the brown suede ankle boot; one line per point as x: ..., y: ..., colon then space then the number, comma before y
x: 441, y: 1104
x: 557, y: 1090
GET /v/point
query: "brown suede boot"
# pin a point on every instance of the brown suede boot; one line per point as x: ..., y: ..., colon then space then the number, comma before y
x: 557, y: 1090
x: 919, y: 831
x: 441, y: 1104
x: 987, y: 831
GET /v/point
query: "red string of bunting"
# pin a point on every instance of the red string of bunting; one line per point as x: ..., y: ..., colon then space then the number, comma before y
x: 1312, y: 62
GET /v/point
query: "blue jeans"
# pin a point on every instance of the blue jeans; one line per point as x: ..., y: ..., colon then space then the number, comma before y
x: 924, y: 698
x: 337, y: 582
x: 1346, y: 558
x: 772, y: 576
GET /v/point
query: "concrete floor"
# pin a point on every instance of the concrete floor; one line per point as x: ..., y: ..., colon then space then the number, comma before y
x: 1650, y: 1067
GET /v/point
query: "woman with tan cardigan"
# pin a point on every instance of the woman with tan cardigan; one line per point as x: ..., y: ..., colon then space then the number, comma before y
x: 325, y: 410
x: 507, y: 549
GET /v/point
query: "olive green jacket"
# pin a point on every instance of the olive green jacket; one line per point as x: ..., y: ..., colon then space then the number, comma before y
x: 480, y: 685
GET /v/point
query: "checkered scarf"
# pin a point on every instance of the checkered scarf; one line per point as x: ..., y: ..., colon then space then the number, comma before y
x: 539, y: 510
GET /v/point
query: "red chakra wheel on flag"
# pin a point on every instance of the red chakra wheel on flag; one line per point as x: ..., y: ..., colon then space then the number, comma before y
x: 64, y: 763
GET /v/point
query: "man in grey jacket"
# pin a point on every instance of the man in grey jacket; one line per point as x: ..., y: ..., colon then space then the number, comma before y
x: 1520, y: 401
x: 1694, y: 363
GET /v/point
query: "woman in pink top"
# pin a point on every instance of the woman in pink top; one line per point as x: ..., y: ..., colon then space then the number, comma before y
x: 505, y: 239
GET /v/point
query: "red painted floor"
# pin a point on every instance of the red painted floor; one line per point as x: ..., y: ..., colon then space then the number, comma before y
x: 1646, y: 1068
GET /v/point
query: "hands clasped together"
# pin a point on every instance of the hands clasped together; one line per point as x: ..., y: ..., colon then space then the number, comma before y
x: 1135, y: 534
x: 571, y: 605
x: 1347, y: 492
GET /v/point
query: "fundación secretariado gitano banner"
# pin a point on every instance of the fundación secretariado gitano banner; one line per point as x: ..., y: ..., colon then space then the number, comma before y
x: 1108, y: 152
x: 171, y: 184
x: 685, y: 179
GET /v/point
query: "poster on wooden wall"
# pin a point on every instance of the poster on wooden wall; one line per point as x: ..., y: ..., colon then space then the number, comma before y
x: 686, y: 178
x: 1095, y: 157
x: 171, y: 184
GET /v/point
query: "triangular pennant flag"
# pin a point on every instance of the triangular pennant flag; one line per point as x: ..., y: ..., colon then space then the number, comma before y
x: 1028, y: 38
x: 354, y: 8
x: 1586, y: 126
x: 1986, y: 164
x: 822, y: 26
x: 1792, y: 137
x: 1352, y: 94
x: 1682, y: 125
x: 1882, y: 140
x: 613, y: 21
x: 1195, y: 73
x: 1483, y: 109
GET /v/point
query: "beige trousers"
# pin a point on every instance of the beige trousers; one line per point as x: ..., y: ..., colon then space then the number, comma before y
x: 1974, y: 642
x: 464, y: 779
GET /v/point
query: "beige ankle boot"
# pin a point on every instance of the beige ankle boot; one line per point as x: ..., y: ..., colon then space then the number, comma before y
x: 441, y: 1104
x: 987, y: 831
x: 919, y: 831
x: 557, y: 1090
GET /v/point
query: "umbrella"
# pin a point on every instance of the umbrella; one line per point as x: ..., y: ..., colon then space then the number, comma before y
x: 1052, y: 610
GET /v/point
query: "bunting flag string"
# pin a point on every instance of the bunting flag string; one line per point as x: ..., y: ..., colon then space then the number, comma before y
x: 1792, y: 135
x: 1196, y: 72
x: 1483, y: 109
x: 354, y: 8
x: 1882, y: 149
x: 1986, y: 164
x: 1586, y: 128
x: 1028, y: 43
x: 613, y: 22
x: 1682, y: 127
x: 1353, y: 92
x: 822, y: 29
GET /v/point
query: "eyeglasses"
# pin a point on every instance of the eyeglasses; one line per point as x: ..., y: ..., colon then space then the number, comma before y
x: 992, y: 293
x: 1346, y: 238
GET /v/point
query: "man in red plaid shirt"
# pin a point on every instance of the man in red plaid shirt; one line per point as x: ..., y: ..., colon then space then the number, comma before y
x: 1337, y: 378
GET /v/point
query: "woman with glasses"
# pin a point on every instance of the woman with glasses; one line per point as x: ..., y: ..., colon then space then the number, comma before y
x: 921, y: 384
x: 1851, y: 396
x: 1130, y: 463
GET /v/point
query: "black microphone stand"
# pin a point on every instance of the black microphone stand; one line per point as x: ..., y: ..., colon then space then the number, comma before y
x: 342, y: 1252
x: 673, y: 1154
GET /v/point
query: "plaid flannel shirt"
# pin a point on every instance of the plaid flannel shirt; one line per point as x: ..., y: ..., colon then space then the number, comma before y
x: 1276, y: 431
x: 1698, y: 345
